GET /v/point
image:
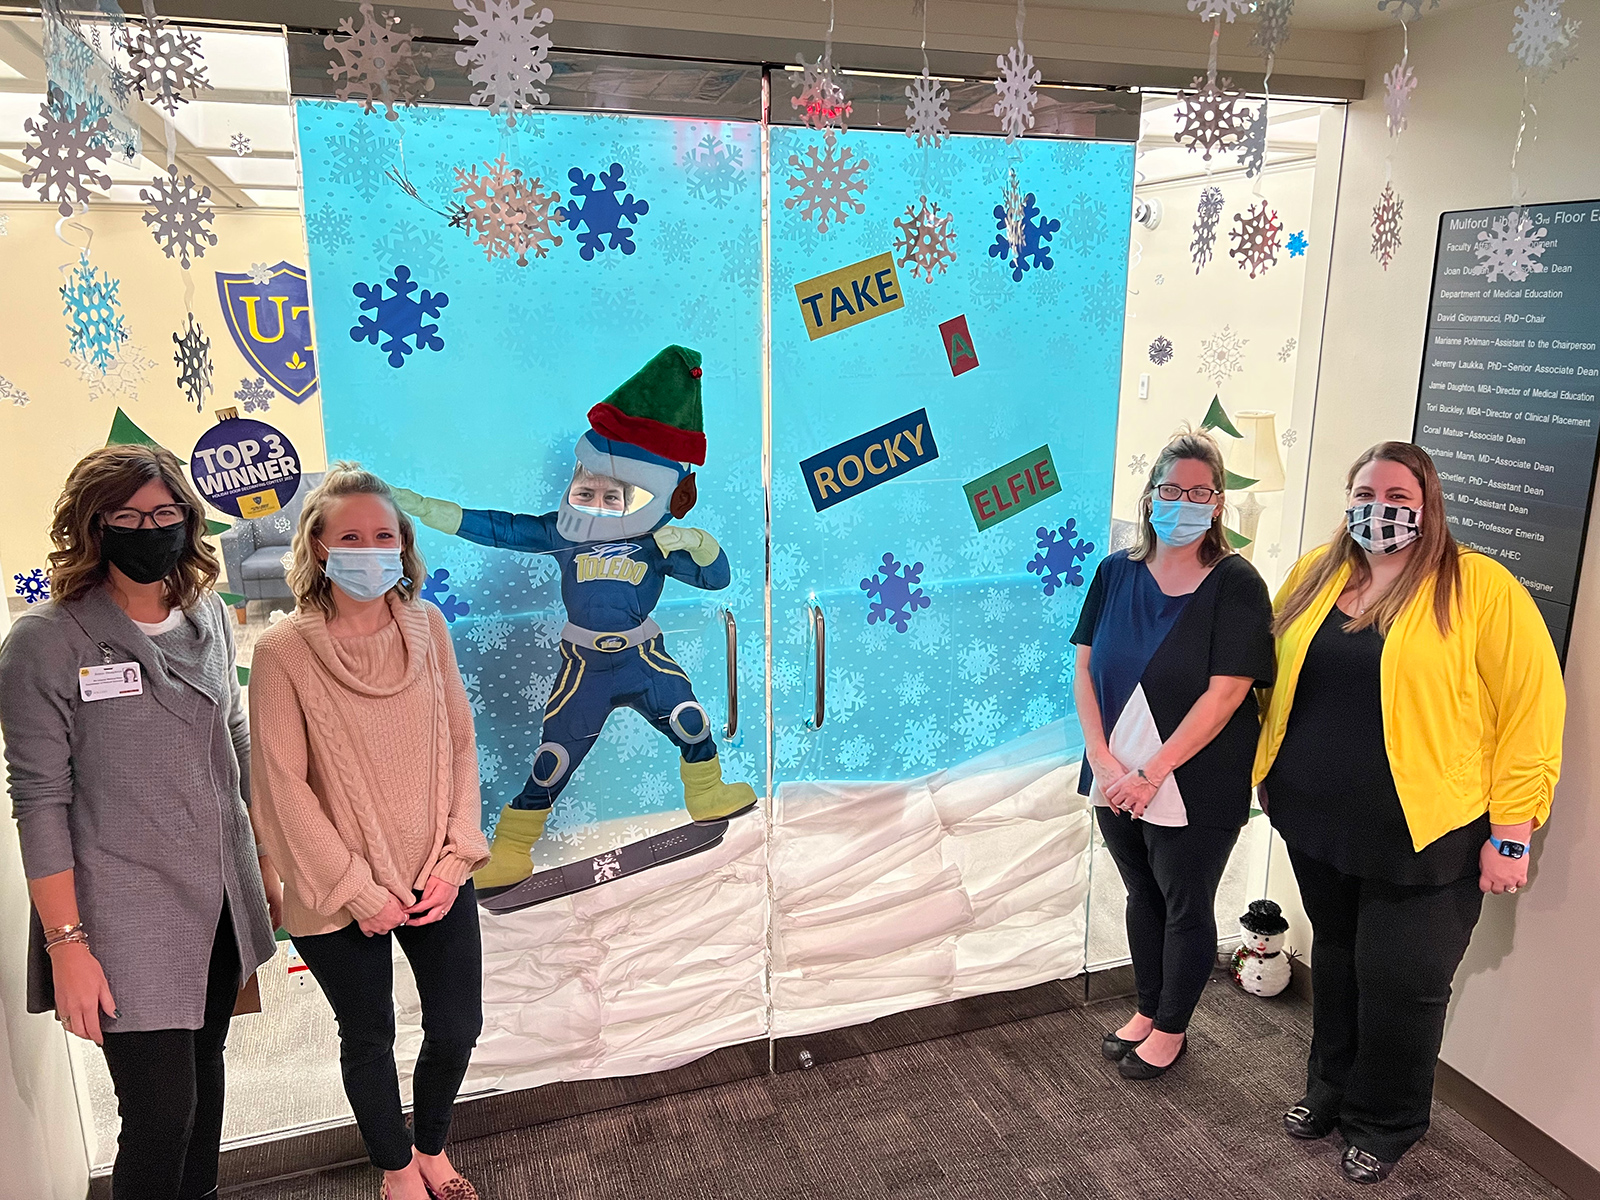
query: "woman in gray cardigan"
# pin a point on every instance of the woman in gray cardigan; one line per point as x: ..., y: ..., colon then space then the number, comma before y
x: 128, y: 755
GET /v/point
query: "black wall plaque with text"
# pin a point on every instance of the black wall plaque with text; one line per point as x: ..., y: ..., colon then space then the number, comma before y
x: 1509, y: 403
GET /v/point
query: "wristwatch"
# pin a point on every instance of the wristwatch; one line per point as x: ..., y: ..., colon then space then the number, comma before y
x: 1507, y: 847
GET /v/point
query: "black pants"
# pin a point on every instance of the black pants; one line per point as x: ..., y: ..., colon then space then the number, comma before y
x: 1382, y: 959
x: 1171, y: 874
x: 356, y: 973
x: 169, y: 1086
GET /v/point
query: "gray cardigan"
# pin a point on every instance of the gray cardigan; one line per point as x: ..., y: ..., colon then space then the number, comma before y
x: 141, y: 796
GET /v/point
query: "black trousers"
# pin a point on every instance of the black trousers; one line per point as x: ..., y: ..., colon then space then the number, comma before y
x: 1382, y: 960
x: 169, y: 1085
x: 356, y: 973
x: 1171, y: 874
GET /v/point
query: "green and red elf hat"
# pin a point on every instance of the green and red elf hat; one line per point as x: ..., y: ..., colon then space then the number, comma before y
x: 658, y: 409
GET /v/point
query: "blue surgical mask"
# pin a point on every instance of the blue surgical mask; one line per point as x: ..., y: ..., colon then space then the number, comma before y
x: 1179, y: 522
x: 363, y: 572
x: 593, y: 510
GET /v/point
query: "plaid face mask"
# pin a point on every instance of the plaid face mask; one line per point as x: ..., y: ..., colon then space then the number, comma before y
x: 1383, y: 528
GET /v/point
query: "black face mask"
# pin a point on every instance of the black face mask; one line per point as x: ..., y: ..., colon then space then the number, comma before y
x: 145, y: 555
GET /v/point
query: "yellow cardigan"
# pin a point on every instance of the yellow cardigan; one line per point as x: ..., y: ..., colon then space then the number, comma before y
x: 1472, y: 720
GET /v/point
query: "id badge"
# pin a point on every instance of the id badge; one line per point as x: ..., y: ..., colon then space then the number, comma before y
x: 110, y: 680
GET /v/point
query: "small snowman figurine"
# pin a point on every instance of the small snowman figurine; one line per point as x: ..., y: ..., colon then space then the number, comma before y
x: 1260, y: 965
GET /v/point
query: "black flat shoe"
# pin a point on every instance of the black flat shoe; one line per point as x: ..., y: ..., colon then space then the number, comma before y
x: 1360, y: 1167
x: 1131, y: 1066
x: 1304, y: 1125
x: 1112, y: 1047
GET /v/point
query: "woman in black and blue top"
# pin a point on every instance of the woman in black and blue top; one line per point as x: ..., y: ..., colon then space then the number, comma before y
x: 1173, y: 635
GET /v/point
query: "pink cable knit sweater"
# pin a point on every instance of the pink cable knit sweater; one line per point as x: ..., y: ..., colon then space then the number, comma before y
x: 364, y: 770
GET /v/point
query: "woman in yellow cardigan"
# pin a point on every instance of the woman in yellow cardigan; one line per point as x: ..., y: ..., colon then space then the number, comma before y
x: 1408, y: 751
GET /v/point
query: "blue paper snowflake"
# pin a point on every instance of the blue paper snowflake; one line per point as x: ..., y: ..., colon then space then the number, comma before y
x: 1036, y: 231
x: 896, y: 591
x: 603, y: 211
x: 1297, y: 244
x: 437, y: 591
x: 95, y: 330
x: 714, y: 170
x: 34, y: 586
x: 1061, y: 550
x: 398, y: 316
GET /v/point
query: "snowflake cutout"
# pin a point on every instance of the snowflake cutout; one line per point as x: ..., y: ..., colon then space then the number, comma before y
x: 714, y: 169
x: 819, y: 95
x: 1210, y: 10
x: 1397, y: 8
x: 894, y: 592
x: 1386, y: 226
x: 1061, y: 553
x: 926, y: 242
x: 1297, y: 244
x: 359, y: 160
x: 255, y: 394
x: 95, y: 330
x: 123, y: 374
x: 165, y: 62
x: 1085, y: 222
x: 1273, y: 29
x: 603, y: 211
x: 179, y: 216
x: 1285, y: 353
x: 436, y: 590
x: 260, y: 274
x: 398, y: 316
x: 1031, y: 251
x: 240, y: 144
x: 1289, y: 437
x: 1205, y: 227
x: 1222, y: 355
x: 1399, y: 81
x: 493, y: 634
x: 193, y: 359
x: 509, y: 214
x: 1011, y: 202
x: 979, y: 722
x: 34, y: 586
x: 509, y: 56
x: 1161, y: 351
x: 1253, y: 145
x: 1510, y: 247
x: 377, y: 62
x: 928, y: 114
x: 827, y: 184
x: 921, y: 742
x: 10, y: 391
x: 63, y: 158
x: 1255, y: 239
x: 1542, y: 41
x: 1139, y: 464
x: 1016, y: 91
x: 1209, y: 118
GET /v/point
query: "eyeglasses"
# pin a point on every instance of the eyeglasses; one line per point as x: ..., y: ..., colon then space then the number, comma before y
x: 162, y: 516
x: 1200, y: 495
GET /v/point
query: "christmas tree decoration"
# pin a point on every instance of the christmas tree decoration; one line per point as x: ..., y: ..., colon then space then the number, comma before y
x: 95, y: 330
x: 826, y: 185
x: 179, y: 216
x: 377, y: 62
x: 509, y: 56
x: 1253, y: 145
x: 165, y: 61
x: 1510, y: 248
x: 1386, y: 226
x: 926, y: 241
x: 1207, y: 214
x: 64, y: 156
x: 1210, y: 118
x: 193, y: 359
x: 1217, y: 417
x: 1222, y: 357
x: 1256, y: 239
x: 1542, y: 39
x: 1214, y: 10
x: 928, y: 113
x: 1398, y: 84
x: 1161, y: 351
x: 1273, y: 29
x: 509, y: 214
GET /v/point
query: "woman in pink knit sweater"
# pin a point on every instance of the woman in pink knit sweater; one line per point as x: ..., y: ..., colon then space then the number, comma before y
x: 366, y: 798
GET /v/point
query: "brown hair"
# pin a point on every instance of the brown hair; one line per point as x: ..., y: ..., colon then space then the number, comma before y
x: 1436, y: 559
x: 106, y: 479
x: 1201, y: 447
x: 307, y: 580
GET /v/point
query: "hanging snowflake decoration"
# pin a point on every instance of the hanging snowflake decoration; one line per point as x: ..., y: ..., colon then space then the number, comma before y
x: 827, y: 185
x: 1022, y: 243
x: 510, y: 214
x: 1205, y: 227
x: 714, y: 169
x: 1510, y: 247
x: 1297, y: 244
x: 509, y: 56
x: 1386, y: 226
x: 1210, y: 10
x: 63, y: 158
x: 377, y: 62
x: 1273, y: 29
x: 255, y: 394
x: 193, y: 358
x: 1209, y: 118
x: 1542, y: 39
x: 928, y: 114
x: 1398, y: 84
x: 819, y: 95
x: 179, y: 216
x: 121, y: 376
x: 926, y: 241
x: 1397, y: 8
x: 1013, y: 212
x: 1161, y: 351
x: 165, y: 63
x: 1016, y: 91
x: 95, y: 329
x: 1256, y: 240
x: 1285, y: 353
x: 1253, y: 145
x: 1222, y: 355
x: 240, y: 144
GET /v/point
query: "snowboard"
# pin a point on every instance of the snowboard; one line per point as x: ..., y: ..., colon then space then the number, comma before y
x: 603, y: 868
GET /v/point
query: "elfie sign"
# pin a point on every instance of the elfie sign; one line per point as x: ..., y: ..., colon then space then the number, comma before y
x: 1006, y: 491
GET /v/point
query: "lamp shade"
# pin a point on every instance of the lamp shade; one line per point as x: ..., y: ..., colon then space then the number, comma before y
x: 1255, y: 454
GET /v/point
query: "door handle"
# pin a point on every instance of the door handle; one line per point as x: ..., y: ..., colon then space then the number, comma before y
x: 731, y: 632
x: 819, y: 635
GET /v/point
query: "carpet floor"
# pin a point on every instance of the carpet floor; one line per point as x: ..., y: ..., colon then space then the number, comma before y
x: 1021, y: 1111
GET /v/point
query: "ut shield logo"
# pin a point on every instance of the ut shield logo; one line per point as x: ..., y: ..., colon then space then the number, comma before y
x: 271, y: 325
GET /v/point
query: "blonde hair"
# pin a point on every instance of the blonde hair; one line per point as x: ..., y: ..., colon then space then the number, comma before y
x: 581, y: 473
x: 1201, y: 447
x: 307, y: 580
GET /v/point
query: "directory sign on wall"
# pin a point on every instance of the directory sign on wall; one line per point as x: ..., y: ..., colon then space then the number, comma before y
x: 1509, y: 404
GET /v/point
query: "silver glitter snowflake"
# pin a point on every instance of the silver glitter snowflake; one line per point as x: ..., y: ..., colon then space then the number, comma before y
x: 1014, y: 212
x: 928, y: 114
x: 509, y: 57
x: 819, y: 94
x: 1161, y: 351
x: 179, y: 216
x: 1210, y: 10
x: 193, y: 358
x: 1386, y: 226
x: 95, y: 330
x: 1273, y: 29
x: 240, y: 144
x: 1210, y: 119
x: 926, y: 241
x: 510, y: 214
x: 1285, y: 353
x: 1398, y: 84
x: 63, y: 159
x: 1256, y: 237
x: 1398, y: 8
x: 827, y: 183
x: 1542, y: 39
x: 377, y: 62
x: 1253, y: 145
x: 1205, y: 227
x: 1222, y: 355
x: 256, y: 394
x: 166, y: 64
x: 1511, y: 248
x: 1016, y: 91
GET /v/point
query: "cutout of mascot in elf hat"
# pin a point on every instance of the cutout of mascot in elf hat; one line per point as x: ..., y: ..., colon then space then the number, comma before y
x: 611, y: 536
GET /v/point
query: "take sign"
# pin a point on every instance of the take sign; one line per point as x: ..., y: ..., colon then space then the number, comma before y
x: 849, y: 295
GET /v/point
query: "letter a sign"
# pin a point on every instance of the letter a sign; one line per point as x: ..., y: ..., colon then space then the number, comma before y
x: 958, y: 345
x: 271, y: 325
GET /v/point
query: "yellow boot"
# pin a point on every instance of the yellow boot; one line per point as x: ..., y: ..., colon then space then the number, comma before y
x: 709, y: 799
x: 514, y: 835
